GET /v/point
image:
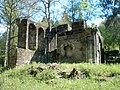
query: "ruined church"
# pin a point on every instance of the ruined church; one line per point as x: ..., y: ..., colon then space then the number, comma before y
x: 58, y: 44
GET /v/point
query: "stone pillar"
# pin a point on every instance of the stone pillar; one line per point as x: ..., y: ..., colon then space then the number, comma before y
x: 37, y: 37
x: 89, y: 50
x: 86, y: 50
x: 56, y: 40
x: 95, y: 47
x: 27, y: 34
x: 98, y: 51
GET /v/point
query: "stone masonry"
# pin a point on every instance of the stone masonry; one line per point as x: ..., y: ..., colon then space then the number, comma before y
x: 61, y: 44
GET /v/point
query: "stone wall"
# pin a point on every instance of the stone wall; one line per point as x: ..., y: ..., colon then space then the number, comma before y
x: 76, y: 45
x: 31, y: 42
x: 24, y: 56
x: 71, y: 47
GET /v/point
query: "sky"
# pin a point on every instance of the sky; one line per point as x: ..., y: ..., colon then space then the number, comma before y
x: 97, y: 21
x: 2, y: 28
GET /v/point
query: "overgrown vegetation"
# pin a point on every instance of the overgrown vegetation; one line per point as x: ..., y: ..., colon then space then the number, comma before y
x: 56, y: 77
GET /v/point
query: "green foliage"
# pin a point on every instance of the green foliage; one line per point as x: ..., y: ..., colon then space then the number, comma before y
x: 102, y: 77
x: 46, y: 75
x: 94, y: 69
x: 2, y: 48
x: 2, y: 41
x: 111, y: 34
x: 65, y: 19
x: 85, y: 5
x: 111, y: 11
x: 78, y: 9
x: 110, y: 7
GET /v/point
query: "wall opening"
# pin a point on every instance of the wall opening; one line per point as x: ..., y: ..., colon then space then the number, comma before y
x: 41, y: 39
x: 32, y: 37
x: 22, y: 34
x: 68, y: 50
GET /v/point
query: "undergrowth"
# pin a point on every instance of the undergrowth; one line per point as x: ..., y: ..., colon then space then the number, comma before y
x: 101, y: 77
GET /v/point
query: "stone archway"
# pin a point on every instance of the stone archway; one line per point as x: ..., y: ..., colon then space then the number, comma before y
x: 68, y: 50
x: 41, y: 38
x: 22, y: 34
x: 32, y: 37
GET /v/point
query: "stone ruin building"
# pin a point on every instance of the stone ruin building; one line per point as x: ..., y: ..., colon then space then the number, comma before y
x: 60, y: 44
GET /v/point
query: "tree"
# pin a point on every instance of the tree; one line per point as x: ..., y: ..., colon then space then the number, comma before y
x: 9, y: 15
x: 2, y: 48
x: 10, y: 12
x: 106, y: 34
x: 46, y: 10
x: 111, y: 36
x: 65, y: 19
x: 28, y: 8
x: 77, y: 9
x: 111, y: 10
x: 114, y: 27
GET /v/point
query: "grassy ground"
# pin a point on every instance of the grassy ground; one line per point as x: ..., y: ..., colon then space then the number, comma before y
x: 100, y: 77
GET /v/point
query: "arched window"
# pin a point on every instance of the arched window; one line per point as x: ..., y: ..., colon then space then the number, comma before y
x: 32, y: 37
x: 22, y: 34
x: 68, y: 50
x: 41, y: 42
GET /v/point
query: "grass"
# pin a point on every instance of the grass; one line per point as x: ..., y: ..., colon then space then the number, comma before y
x: 101, y: 77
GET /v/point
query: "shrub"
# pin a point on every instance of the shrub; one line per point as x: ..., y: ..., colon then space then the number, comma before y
x: 46, y: 75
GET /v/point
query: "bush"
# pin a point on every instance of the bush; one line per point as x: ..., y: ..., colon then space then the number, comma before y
x: 101, y: 77
x: 46, y: 75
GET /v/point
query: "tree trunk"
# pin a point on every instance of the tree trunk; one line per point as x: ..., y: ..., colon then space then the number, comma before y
x: 49, y: 15
x: 6, y: 49
x: 119, y: 46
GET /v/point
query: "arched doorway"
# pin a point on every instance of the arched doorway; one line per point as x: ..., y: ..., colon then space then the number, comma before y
x: 68, y: 50
x: 32, y: 37
x: 22, y: 34
x: 41, y: 39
